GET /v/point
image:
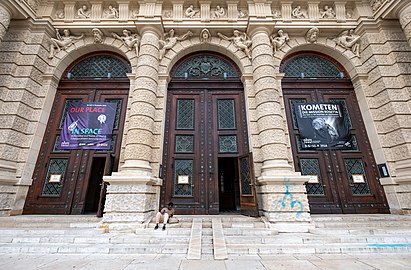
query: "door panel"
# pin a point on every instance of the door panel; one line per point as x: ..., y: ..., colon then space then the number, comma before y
x: 69, y: 195
x: 248, y: 198
x: 202, y: 125
x: 335, y: 191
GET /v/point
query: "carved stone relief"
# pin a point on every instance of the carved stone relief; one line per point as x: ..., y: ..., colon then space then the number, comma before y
x: 350, y: 41
x: 298, y: 13
x: 312, y: 35
x: 191, y: 12
x: 170, y: 39
x: 97, y: 35
x: 83, y: 12
x: 131, y: 41
x: 240, y: 40
x: 110, y: 12
x: 243, y: 13
x: 219, y: 12
x: 278, y: 40
x: 276, y: 13
x: 328, y: 13
x: 62, y: 42
x: 205, y: 35
x: 168, y: 14
x: 59, y: 14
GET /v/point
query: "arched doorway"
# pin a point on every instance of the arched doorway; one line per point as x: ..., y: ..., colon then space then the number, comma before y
x: 344, y: 176
x: 207, y: 167
x: 67, y: 179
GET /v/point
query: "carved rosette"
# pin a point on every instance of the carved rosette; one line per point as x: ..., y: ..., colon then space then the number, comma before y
x: 405, y: 20
x: 4, y: 22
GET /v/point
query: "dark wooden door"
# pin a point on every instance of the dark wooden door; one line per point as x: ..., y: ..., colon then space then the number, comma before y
x: 248, y: 197
x: 336, y: 191
x: 75, y: 166
x: 205, y: 123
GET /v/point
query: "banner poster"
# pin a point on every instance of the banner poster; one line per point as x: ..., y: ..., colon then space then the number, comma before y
x: 88, y: 125
x: 323, y: 126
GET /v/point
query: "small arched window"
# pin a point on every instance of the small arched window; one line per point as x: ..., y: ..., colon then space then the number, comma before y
x: 312, y: 66
x: 98, y: 67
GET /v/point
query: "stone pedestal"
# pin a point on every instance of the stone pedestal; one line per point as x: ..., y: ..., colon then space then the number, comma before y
x: 131, y: 201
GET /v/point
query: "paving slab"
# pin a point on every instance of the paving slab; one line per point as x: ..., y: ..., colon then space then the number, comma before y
x: 291, y: 264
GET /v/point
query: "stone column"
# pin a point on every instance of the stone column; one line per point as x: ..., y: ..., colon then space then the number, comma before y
x: 5, y: 17
x: 132, y: 193
x: 285, y: 203
x: 405, y: 20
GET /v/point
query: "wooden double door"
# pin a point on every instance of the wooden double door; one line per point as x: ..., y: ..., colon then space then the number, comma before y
x: 336, y: 190
x: 79, y: 188
x: 207, y: 167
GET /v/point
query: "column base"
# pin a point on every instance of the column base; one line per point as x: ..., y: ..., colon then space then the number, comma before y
x: 131, y: 201
x: 284, y: 202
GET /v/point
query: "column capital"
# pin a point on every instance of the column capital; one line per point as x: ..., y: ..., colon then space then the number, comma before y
x: 157, y: 30
x: 258, y: 29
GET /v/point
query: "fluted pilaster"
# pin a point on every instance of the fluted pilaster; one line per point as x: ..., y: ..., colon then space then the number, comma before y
x: 5, y: 17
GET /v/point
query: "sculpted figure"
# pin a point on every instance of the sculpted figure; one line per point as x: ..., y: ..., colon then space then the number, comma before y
x: 98, y: 35
x: 219, y: 12
x: 240, y: 40
x: 190, y: 12
x: 349, y: 41
x: 242, y: 13
x: 83, y: 13
x: 278, y: 41
x: 297, y: 13
x: 328, y: 13
x: 111, y: 12
x: 312, y: 35
x: 205, y: 35
x: 132, y: 41
x: 62, y: 42
x: 170, y: 40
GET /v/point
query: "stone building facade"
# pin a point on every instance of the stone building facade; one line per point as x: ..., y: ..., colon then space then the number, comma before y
x: 256, y: 50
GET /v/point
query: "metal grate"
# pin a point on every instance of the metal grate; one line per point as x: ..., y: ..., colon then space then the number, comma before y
x: 184, y: 143
x: 57, y: 167
x: 183, y: 167
x: 118, y: 111
x: 205, y: 67
x: 185, y: 114
x: 356, y: 166
x: 245, y: 176
x: 227, y: 144
x: 311, y: 166
x: 226, y: 114
x: 66, y: 103
x: 310, y: 66
x: 100, y: 67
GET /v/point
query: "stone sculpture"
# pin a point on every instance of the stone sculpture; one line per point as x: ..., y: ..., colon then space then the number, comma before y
x: 170, y: 40
x: 312, y: 35
x: 297, y: 13
x: 131, y: 41
x: 240, y: 40
x: 191, y: 12
x: 350, y: 41
x: 219, y: 12
x: 279, y: 40
x: 83, y: 12
x: 62, y: 42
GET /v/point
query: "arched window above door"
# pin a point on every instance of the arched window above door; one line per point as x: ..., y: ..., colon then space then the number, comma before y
x: 205, y: 66
x: 97, y: 67
x: 312, y: 66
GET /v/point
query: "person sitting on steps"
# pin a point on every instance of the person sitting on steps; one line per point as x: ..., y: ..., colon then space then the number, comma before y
x: 164, y: 215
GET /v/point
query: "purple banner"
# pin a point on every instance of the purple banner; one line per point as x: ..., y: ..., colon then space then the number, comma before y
x: 88, y: 125
x: 323, y: 126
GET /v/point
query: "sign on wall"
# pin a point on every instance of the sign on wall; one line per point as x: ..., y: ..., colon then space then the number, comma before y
x: 322, y: 126
x: 88, y: 125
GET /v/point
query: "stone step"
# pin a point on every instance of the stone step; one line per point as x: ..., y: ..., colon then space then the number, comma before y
x: 387, y: 224
x: 361, y: 231
x: 360, y: 218
x: 50, y: 231
x: 248, y: 231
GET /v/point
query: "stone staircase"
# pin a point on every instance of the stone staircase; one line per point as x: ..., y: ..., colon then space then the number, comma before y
x: 218, y: 236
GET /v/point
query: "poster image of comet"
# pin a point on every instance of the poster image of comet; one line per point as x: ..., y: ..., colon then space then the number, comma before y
x: 323, y: 126
x: 88, y: 125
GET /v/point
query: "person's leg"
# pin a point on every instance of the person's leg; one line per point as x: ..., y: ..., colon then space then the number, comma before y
x: 158, y: 217
x: 165, y: 221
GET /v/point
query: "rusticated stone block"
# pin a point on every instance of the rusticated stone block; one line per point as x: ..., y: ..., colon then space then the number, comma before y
x: 268, y: 108
x: 272, y: 136
x: 137, y: 151
x: 142, y: 108
x: 268, y: 94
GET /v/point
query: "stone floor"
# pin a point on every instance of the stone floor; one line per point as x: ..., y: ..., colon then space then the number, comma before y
x: 177, y: 261
x: 199, y: 243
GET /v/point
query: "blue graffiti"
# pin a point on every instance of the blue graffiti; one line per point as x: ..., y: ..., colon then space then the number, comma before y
x: 390, y: 245
x: 294, y: 202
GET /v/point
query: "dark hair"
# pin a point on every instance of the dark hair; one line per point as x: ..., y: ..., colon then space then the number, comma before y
x: 171, y: 204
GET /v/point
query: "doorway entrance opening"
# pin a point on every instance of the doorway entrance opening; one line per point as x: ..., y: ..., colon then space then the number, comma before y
x: 206, y: 139
x: 229, y: 186
x: 346, y: 180
x: 69, y: 181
